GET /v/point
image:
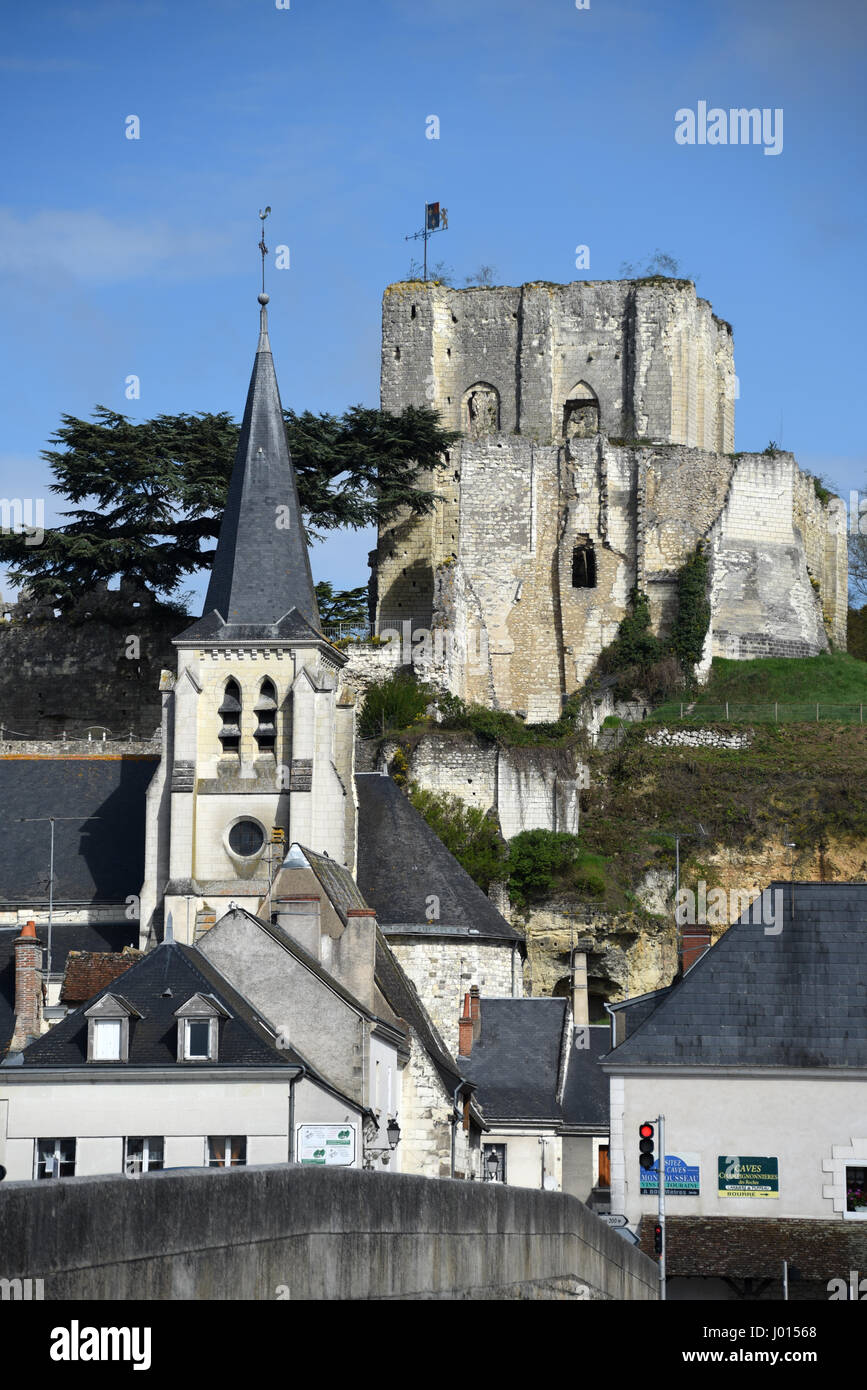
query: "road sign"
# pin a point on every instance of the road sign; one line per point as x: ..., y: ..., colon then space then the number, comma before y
x: 613, y: 1218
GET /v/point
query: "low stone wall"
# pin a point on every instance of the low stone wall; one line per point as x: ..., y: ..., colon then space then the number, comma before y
x: 698, y: 738
x: 310, y: 1233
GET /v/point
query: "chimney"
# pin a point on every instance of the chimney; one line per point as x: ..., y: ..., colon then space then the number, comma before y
x: 465, y: 1030
x: 298, y: 915
x: 696, y: 940
x: 580, y: 1002
x: 28, y: 988
x: 475, y: 1011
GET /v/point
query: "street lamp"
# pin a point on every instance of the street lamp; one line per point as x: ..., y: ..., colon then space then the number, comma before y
x: 392, y: 1133
x: 492, y: 1163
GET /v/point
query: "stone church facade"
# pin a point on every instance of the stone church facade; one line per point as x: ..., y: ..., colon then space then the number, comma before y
x: 597, y: 424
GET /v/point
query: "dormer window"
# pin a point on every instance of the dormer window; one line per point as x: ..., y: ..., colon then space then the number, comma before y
x: 230, y: 714
x: 265, y: 710
x: 108, y: 1028
x: 199, y: 1028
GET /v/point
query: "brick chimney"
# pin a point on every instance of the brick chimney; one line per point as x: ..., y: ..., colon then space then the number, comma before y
x: 465, y: 1030
x: 476, y: 1011
x: 28, y: 988
x: 696, y: 940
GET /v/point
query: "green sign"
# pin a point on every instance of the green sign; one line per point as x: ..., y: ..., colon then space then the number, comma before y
x: 747, y: 1177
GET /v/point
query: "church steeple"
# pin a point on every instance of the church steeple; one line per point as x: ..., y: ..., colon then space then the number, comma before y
x: 261, y: 579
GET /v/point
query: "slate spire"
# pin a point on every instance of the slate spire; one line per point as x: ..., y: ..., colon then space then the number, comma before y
x: 261, y: 568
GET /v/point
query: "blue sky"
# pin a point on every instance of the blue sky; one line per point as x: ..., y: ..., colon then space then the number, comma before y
x: 557, y: 128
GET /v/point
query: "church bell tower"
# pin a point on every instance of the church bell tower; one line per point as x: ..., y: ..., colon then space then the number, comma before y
x: 257, y: 735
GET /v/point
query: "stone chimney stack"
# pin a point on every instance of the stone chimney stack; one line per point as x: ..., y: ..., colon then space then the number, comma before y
x: 580, y: 1001
x: 28, y: 988
x: 476, y: 1011
x: 465, y: 1030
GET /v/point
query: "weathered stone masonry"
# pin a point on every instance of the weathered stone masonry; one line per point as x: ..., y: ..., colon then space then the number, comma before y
x: 598, y: 425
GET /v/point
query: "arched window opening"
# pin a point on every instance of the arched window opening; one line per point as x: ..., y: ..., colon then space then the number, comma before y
x: 265, y: 710
x: 481, y: 410
x: 584, y: 565
x: 581, y: 413
x: 230, y: 714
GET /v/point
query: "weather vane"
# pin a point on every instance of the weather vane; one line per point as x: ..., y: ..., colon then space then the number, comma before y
x: 262, y: 247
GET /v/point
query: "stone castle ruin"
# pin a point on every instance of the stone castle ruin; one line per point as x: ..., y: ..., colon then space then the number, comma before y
x: 597, y: 424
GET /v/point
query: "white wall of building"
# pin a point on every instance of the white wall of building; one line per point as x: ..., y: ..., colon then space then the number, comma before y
x: 812, y: 1123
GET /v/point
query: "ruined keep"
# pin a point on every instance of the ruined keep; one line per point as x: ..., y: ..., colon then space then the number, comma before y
x: 597, y: 451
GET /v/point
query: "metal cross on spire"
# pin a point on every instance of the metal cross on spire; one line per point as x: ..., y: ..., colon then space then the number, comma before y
x: 262, y: 247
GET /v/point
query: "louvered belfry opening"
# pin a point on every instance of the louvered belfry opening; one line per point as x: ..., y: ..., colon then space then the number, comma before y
x: 265, y: 710
x: 230, y: 714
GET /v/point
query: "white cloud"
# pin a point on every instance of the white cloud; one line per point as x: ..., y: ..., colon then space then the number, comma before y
x: 89, y: 246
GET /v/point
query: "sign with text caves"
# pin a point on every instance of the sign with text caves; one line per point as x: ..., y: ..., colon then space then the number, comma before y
x: 747, y: 1177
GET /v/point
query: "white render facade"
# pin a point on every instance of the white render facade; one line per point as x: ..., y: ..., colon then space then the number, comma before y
x: 101, y: 1112
x: 813, y: 1123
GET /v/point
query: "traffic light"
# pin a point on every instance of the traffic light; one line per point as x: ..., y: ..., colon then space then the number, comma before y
x: 647, y: 1157
x: 657, y: 1239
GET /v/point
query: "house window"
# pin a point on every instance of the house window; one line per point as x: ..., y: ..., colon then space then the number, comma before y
x: 144, y: 1154
x: 198, y: 1040
x: 227, y: 1151
x: 856, y: 1189
x: 584, y: 566
x: 106, y: 1040
x: 55, y: 1158
x: 494, y: 1162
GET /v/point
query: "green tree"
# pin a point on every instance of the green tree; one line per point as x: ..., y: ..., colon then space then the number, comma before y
x: 471, y: 834
x: 345, y: 606
x: 147, y: 498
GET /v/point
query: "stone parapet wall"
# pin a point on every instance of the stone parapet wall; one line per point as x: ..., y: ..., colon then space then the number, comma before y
x: 312, y: 1234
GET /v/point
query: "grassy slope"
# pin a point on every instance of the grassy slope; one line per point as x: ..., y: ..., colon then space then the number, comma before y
x: 798, y: 782
x: 835, y: 679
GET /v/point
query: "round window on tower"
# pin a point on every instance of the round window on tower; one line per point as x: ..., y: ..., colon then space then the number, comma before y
x: 246, y: 838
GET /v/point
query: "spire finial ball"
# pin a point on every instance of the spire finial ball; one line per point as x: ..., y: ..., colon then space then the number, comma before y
x: 263, y: 298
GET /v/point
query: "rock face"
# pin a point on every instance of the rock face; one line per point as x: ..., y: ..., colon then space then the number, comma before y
x: 626, y: 955
x: 597, y: 422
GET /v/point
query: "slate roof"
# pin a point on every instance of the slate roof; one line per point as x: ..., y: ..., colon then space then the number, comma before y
x: 156, y: 986
x: 795, y: 998
x: 586, y: 1095
x: 402, y: 862
x: 261, y: 570
x: 95, y: 860
x: 516, y: 1061
x: 337, y: 881
x: 103, y: 936
x: 754, y: 1247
